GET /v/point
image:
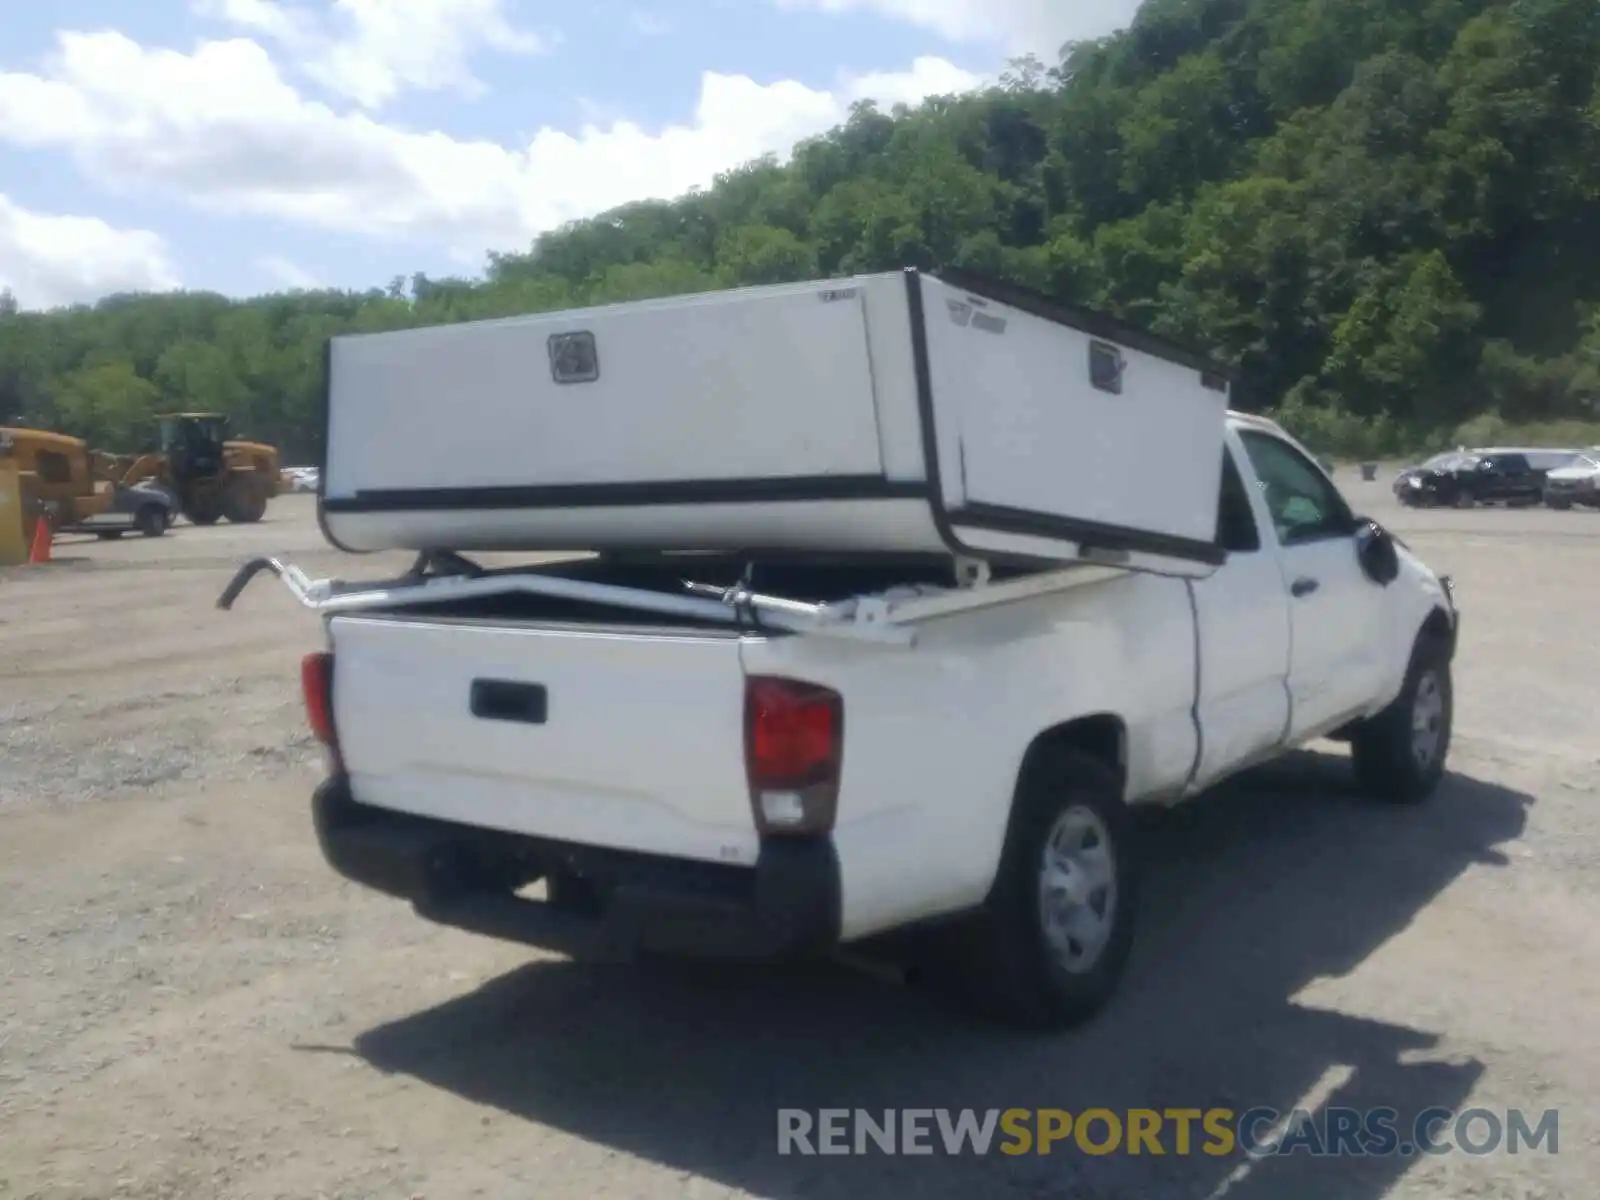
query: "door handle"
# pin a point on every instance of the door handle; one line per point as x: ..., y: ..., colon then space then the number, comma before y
x: 1303, y: 586
x: 508, y: 700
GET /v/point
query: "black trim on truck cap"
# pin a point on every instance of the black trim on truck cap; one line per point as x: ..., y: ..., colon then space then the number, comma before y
x: 326, y: 392
x: 1095, y: 324
x: 604, y: 495
x: 788, y: 905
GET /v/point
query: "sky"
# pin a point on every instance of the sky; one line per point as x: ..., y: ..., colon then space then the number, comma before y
x: 246, y: 146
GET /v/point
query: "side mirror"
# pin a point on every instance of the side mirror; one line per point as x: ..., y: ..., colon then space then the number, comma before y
x: 1376, y: 553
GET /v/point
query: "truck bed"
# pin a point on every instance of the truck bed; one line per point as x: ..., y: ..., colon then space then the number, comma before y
x: 573, y: 720
x: 593, y: 726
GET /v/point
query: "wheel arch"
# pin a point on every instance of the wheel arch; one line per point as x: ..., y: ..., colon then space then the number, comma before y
x: 1438, y: 625
x: 1100, y: 736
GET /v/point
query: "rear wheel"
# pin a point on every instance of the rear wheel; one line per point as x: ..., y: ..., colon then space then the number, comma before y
x: 151, y: 520
x: 1399, y: 754
x: 1049, y: 947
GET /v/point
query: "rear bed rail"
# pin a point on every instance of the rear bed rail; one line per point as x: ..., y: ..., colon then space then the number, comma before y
x: 731, y: 606
x: 886, y: 619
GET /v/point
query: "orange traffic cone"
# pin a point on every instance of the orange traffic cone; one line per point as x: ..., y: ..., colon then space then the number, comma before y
x: 42, y: 538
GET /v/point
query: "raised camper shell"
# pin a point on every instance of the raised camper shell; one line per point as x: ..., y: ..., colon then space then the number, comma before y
x: 900, y: 413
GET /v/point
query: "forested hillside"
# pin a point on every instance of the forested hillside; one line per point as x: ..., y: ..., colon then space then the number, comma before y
x: 1386, y: 212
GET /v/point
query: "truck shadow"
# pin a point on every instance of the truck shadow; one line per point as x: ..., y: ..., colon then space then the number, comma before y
x: 1278, y: 879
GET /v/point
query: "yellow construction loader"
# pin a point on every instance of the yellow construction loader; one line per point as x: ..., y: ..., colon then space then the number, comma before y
x: 213, y: 476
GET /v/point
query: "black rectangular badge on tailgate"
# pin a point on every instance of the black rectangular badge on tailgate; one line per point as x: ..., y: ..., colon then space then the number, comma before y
x: 508, y: 700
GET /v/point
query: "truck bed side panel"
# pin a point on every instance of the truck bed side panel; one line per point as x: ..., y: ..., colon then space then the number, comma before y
x: 935, y: 737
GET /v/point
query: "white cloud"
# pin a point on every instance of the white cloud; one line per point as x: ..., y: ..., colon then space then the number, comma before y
x: 1039, y: 27
x: 649, y: 24
x: 290, y: 274
x: 222, y: 129
x: 927, y: 77
x: 370, y: 50
x: 46, y: 259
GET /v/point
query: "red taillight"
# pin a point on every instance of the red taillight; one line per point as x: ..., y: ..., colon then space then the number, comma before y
x: 316, y: 682
x: 794, y: 744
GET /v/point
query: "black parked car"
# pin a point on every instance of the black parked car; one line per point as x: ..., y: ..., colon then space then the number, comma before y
x: 1465, y: 478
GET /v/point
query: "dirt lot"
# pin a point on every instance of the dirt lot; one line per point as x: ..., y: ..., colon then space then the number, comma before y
x: 191, y: 1004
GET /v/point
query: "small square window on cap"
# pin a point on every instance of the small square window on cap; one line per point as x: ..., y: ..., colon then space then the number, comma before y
x: 573, y: 357
x: 1106, y: 367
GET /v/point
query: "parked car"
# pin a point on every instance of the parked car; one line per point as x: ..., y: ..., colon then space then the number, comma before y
x: 145, y: 507
x: 300, y: 479
x: 1465, y: 478
x: 1576, y: 483
x: 1540, y: 458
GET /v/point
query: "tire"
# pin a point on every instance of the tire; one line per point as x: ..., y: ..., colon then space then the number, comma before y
x: 151, y: 520
x: 203, y: 511
x: 1013, y: 962
x: 1399, y: 754
x: 243, y: 504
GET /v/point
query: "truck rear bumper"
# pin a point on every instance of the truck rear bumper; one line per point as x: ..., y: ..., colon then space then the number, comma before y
x: 601, y: 903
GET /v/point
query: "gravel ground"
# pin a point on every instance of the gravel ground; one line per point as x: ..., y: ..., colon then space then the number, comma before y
x: 192, y: 1004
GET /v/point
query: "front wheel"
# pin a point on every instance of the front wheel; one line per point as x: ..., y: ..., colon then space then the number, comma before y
x: 1399, y: 754
x: 1050, y: 945
x: 151, y: 521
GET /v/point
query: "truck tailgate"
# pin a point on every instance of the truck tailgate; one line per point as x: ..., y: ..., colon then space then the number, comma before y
x: 619, y: 738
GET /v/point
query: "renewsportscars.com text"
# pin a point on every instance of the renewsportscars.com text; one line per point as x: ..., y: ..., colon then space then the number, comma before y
x: 1217, y: 1132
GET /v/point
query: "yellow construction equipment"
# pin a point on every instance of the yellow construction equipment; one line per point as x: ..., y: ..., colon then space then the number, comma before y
x: 13, y: 528
x: 212, y: 475
x: 57, y: 480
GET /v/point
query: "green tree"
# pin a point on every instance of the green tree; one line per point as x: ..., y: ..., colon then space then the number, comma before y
x: 109, y: 404
x: 1382, y: 211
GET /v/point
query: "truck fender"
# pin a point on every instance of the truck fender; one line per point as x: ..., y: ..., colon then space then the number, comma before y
x: 1436, y: 625
x: 1102, y: 736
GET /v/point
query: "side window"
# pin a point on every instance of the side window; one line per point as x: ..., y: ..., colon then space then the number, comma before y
x: 1237, y: 532
x: 53, y: 467
x: 1305, y: 506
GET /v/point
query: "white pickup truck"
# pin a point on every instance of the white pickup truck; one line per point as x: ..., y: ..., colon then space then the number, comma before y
x: 686, y: 787
x: 721, y: 754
